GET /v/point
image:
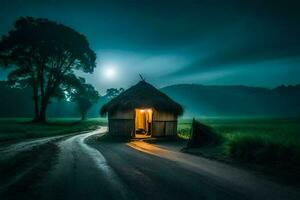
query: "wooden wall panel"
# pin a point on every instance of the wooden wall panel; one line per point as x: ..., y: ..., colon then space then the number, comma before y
x: 121, y: 127
x: 157, y: 128
x: 121, y: 115
x: 164, y: 128
x: 162, y: 116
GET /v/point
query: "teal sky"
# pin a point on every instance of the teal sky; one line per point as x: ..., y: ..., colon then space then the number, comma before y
x: 171, y: 42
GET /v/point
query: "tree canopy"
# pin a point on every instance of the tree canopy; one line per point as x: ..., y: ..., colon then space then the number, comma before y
x: 113, y: 92
x: 83, y: 94
x: 43, y: 55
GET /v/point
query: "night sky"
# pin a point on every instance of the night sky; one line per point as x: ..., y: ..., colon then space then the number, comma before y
x: 171, y: 42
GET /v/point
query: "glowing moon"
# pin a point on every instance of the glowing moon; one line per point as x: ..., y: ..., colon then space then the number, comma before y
x: 110, y: 72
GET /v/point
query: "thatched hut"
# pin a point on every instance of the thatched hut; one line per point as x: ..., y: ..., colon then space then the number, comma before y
x: 142, y: 110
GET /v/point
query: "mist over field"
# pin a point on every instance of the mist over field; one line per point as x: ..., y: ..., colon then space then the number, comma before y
x: 197, y: 100
x: 203, y: 100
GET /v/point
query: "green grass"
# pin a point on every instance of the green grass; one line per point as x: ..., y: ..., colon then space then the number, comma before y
x: 258, y: 140
x: 22, y: 128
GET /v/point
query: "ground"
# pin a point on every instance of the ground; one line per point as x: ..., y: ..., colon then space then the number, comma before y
x: 22, y: 128
x: 86, y: 166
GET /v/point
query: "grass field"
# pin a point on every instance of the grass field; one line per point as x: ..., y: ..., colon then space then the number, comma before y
x: 246, y: 139
x: 256, y: 140
x: 22, y: 128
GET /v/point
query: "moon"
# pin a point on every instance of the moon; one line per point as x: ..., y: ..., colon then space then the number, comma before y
x: 110, y: 72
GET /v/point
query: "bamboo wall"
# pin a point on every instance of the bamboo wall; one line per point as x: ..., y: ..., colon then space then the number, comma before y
x: 164, y: 124
x: 122, y: 124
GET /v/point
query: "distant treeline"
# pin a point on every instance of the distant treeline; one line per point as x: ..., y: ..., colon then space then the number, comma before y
x: 16, y: 102
x: 203, y: 100
x: 197, y: 100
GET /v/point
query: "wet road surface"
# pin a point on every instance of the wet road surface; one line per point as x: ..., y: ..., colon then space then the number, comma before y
x: 86, y: 168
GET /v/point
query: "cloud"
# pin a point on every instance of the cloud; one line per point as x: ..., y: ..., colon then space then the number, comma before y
x: 177, y: 40
x: 265, y: 73
x: 245, y: 49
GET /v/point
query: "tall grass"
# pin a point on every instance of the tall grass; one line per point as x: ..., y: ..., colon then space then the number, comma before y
x: 260, y: 149
x: 258, y: 140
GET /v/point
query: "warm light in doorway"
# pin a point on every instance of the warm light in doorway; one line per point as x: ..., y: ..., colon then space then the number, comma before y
x: 145, y: 110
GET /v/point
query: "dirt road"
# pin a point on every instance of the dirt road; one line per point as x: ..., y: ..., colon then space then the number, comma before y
x: 89, y: 169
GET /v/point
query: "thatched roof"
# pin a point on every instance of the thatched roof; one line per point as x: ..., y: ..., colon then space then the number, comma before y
x: 142, y: 95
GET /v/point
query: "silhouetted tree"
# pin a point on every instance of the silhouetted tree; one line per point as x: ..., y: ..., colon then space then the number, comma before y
x: 85, y: 98
x: 2, y: 61
x: 82, y: 93
x: 44, y: 53
x: 14, y: 102
x: 113, y: 92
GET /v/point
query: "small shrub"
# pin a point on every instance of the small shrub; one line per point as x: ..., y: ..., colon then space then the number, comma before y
x: 184, y: 133
x: 262, y: 150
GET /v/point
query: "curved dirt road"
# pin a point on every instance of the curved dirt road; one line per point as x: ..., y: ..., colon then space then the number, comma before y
x: 82, y: 172
x: 89, y: 169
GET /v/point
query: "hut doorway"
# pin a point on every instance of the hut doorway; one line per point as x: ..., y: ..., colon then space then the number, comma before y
x: 143, y: 123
